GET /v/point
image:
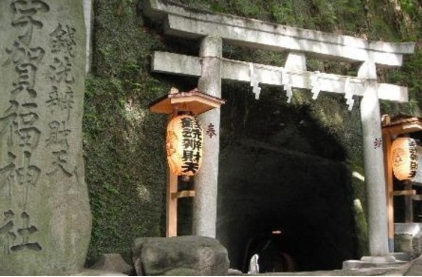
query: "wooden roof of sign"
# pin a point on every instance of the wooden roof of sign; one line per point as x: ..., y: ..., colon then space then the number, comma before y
x: 401, y: 124
x: 193, y: 101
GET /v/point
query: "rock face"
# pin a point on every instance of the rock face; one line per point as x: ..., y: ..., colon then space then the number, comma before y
x: 408, y: 239
x: 187, y: 255
x: 45, y: 219
x: 415, y: 268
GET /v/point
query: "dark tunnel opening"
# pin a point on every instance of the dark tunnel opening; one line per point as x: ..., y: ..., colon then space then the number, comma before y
x: 281, y: 169
x: 306, y: 199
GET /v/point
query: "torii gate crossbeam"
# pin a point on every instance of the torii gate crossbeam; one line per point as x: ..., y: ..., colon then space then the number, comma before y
x: 171, y: 63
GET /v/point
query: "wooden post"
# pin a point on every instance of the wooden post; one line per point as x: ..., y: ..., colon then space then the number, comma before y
x: 390, y: 189
x: 392, y: 129
x: 197, y: 103
x: 408, y: 202
x: 171, y: 202
x: 173, y: 195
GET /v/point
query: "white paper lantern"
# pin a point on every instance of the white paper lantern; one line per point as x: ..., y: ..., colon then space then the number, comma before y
x: 404, y: 158
x: 184, y: 145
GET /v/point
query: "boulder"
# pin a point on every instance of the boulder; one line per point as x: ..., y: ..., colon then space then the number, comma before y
x: 408, y: 239
x: 186, y: 255
x: 113, y: 262
x: 415, y: 267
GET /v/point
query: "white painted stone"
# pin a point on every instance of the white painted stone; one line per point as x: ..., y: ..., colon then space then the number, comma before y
x: 316, y: 86
x: 254, y: 81
x: 348, y: 94
x: 295, y: 62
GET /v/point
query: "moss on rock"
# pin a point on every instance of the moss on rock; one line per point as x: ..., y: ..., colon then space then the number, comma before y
x: 124, y: 142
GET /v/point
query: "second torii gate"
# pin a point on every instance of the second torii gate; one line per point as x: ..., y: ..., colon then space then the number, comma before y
x: 214, y: 29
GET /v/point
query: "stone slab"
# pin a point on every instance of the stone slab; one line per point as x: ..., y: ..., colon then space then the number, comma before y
x: 45, y: 219
x: 373, y: 262
x: 413, y: 228
x: 97, y: 272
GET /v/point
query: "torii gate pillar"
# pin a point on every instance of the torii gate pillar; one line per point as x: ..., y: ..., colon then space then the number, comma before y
x: 206, y: 183
x: 374, y: 171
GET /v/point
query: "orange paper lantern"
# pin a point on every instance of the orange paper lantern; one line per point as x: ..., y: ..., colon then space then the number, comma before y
x: 404, y: 158
x: 184, y: 145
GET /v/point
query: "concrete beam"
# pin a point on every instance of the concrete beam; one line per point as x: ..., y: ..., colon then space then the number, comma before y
x: 272, y: 75
x: 182, y: 21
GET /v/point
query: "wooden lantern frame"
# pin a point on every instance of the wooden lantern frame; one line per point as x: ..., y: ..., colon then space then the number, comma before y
x: 391, y: 129
x: 193, y: 102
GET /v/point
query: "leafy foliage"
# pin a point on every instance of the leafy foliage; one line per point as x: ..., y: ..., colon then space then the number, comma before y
x: 123, y: 142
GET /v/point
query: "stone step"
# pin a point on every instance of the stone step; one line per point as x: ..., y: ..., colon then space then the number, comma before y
x: 374, y: 262
x: 402, y: 256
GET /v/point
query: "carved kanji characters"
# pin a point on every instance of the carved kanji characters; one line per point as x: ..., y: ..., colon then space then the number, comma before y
x: 61, y: 71
x: 62, y: 40
x: 24, y: 232
x: 6, y: 231
x: 28, y: 174
x: 7, y: 175
x: 60, y: 163
x: 61, y: 101
x: 24, y: 12
x: 18, y: 125
x: 58, y: 134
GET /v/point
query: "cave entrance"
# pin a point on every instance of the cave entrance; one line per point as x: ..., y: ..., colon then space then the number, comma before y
x: 273, y: 250
x: 213, y: 30
x: 292, y: 209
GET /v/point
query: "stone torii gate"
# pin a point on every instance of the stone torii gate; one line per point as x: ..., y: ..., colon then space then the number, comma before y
x: 214, y: 29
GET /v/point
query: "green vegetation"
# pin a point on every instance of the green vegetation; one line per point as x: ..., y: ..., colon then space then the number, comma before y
x: 124, y: 142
